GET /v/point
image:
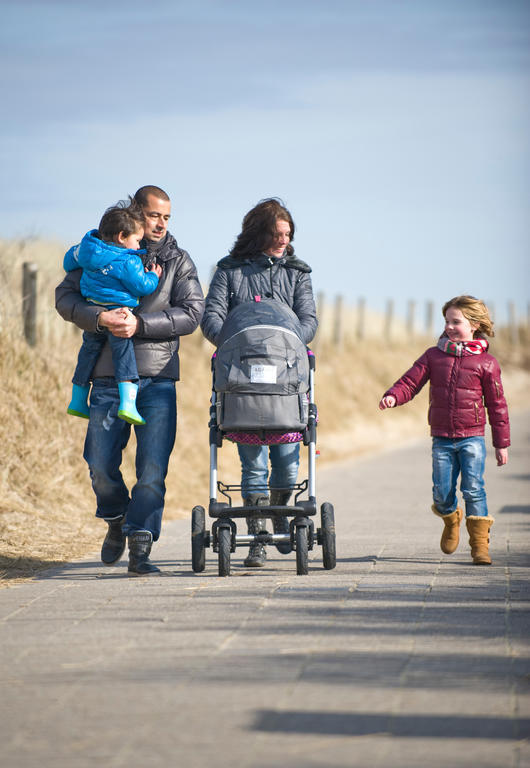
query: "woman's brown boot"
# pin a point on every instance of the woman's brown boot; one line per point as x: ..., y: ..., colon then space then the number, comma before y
x: 451, y: 531
x: 479, y: 530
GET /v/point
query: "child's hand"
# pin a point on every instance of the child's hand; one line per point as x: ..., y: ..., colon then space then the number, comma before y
x: 501, y: 454
x: 154, y: 267
x: 389, y: 401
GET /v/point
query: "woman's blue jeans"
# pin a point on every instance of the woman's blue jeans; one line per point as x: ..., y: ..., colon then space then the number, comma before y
x: 465, y: 456
x: 284, y: 458
x: 106, y: 438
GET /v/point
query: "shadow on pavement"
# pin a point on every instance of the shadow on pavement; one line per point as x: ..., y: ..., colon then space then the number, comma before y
x: 88, y: 570
x: 515, y: 509
x: 417, y: 726
x: 25, y: 567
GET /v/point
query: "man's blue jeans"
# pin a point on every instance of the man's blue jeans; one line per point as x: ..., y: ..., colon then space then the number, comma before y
x: 451, y: 457
x: 106, y: 439
x: 285, y: 459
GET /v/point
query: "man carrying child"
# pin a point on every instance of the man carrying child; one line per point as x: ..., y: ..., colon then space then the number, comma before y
x: 174, y: 309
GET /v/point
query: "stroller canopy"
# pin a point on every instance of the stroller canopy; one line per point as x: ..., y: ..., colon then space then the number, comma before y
x: 268, y: 312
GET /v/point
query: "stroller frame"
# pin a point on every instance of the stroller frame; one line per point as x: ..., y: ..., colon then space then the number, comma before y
x: 224, y: 538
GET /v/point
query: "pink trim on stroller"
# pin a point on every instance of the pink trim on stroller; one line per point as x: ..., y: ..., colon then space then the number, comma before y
x: 267, y: 438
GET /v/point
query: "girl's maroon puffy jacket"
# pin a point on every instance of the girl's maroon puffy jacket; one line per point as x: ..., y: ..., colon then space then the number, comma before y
x: 460, y: 388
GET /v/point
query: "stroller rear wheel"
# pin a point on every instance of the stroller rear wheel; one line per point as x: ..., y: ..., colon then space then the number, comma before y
x: 327, y: 535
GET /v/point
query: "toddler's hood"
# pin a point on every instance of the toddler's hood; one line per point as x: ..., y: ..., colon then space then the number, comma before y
x: 97, y: 253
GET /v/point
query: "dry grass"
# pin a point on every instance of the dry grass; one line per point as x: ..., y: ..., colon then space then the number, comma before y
x: 46, y: 502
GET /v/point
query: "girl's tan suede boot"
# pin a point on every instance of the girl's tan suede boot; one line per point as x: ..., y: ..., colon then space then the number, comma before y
x: 479, y: 529
x: 451, y: 531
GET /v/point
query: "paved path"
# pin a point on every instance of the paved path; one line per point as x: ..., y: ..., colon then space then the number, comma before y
x: 400, y: 657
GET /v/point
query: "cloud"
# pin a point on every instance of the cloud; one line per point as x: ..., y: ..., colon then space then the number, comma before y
x: 396, y: 132
x: 68, y: 60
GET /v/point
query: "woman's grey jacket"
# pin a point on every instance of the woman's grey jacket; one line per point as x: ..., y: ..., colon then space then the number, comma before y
x: 173, y: 310
x: 237, y: 281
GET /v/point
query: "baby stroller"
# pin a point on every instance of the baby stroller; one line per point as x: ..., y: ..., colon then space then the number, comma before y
x: 262, y: 393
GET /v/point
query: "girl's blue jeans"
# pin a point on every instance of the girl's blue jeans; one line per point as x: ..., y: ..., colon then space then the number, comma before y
x: 106, y: 438
x: 465, y: 457
x: 284, y: 459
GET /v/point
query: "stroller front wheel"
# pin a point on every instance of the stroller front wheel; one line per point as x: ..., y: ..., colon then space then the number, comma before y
x: 224, y: 536
x: 301, y: 540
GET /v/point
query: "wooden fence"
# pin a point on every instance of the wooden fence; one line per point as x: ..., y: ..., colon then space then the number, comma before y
x: 338, y: 321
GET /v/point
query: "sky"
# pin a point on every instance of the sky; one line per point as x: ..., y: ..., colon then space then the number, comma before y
x: 395, y: 131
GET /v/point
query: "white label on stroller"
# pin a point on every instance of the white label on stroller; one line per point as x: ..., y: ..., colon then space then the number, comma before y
x: 263, y: 374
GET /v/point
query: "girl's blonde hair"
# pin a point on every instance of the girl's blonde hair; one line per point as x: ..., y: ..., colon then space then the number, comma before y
x: 473, y: 310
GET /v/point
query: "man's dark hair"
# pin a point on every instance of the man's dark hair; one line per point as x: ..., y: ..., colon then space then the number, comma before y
x: 259, y: 228
x: 126, y: 216
x: 141, y: 194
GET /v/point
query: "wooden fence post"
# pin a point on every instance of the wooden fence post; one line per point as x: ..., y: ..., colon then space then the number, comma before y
x: 389, y: 319
x: 29, y: 301
x: 321, y: 300
x: 361, y: 313
x: 337, y: 321
x: 411, y: 306
x: 429, y: 318
x: 512, y: 323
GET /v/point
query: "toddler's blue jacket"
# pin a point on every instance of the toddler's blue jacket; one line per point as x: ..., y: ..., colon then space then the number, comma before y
x: 112, y: 275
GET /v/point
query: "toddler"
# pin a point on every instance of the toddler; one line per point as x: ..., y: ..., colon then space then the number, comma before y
x: 113, y: 276
x: 464, y: 378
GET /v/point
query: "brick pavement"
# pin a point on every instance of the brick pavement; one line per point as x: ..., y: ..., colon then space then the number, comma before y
x: 401, y: 656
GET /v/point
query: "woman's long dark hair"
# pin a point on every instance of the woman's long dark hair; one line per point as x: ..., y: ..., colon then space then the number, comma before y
x: 259, y: 228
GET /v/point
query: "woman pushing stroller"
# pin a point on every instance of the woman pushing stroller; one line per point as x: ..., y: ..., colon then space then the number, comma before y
x: 260, y: 266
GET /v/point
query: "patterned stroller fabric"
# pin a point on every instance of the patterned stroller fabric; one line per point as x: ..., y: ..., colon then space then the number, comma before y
x: 261, y: 375
x: 267, y: 438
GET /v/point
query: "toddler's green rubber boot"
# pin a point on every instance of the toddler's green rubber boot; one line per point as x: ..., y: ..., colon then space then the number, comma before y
x: 79, y: 402
x: 127, y: 410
